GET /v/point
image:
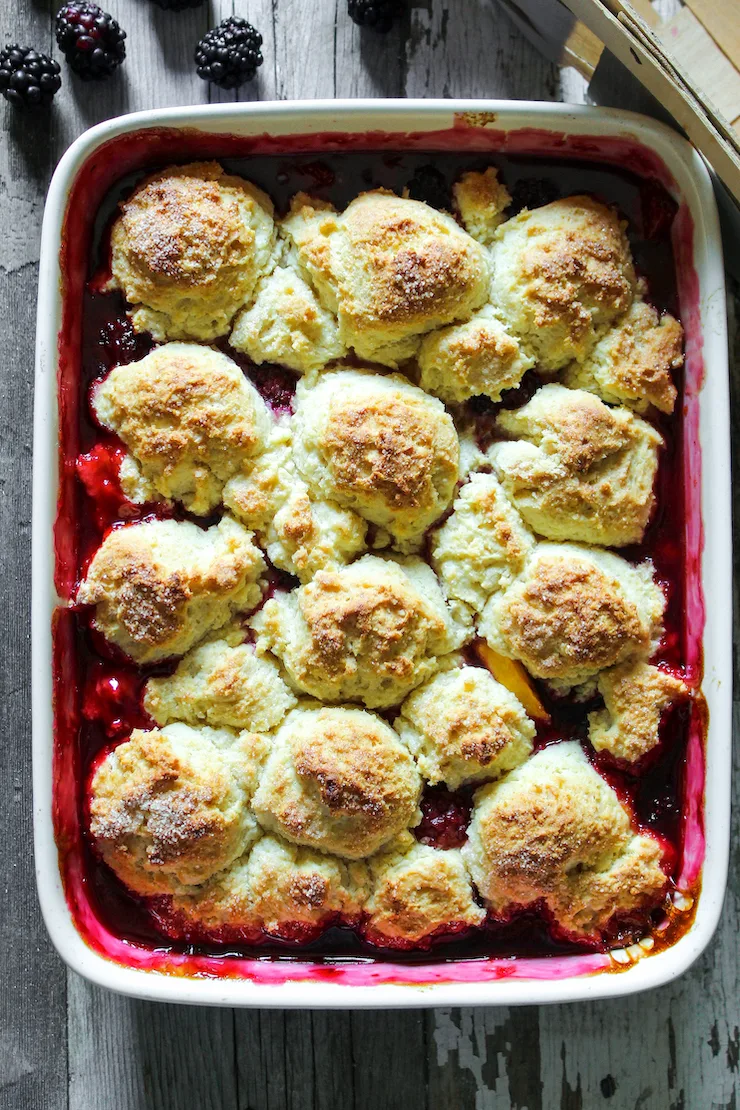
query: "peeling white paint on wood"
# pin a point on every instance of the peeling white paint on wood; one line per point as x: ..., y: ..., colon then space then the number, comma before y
x: 463, y: 1040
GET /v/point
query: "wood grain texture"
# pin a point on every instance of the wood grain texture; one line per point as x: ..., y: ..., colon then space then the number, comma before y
x: 65, y: 1044
x: 33, y: 1049
x: 126, y: 1055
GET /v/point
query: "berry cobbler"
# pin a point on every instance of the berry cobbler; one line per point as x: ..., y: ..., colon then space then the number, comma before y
x: 378, y: 607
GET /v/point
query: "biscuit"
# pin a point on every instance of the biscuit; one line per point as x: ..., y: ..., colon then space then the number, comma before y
x: 577, y: 469
x: 635, y: 695
x: 574, y: 612
x: 463, y: 726
x: 277, y: 888
x: 309, y: 534
x: 160, y: 586
x: 418, y: 892
x: 390, y: 269
x: 221, y: 684
x: 286, y: 324
x: 300, y: 532
x: 482, y: 545
x: 338, y: 780
x: 170, y: 807
x: 188, y: 248
x: 562, y: 274
x: 377, y: 445
x: 480, y: 200
x: 471, y: 456
x: 477, y: 358
x: 369, y: 632
x: 189, y: 418
x: 553, y: 832
x: 255, y: 494
x: 633, y: 363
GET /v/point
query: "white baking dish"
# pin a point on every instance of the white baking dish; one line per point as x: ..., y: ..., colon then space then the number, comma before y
x: 479, y: 124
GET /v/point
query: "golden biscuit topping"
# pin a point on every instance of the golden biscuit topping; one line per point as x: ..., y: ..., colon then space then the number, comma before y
x: 478, y: 358
x: 277, y: 887
x: 221, y: 684
x: 188, y: 249
x: 160, y: 586
x: 339, y: 780
x: 577, y: 469
x: 374, y: 618
x: 633, y: 364
x: 574, y: 613
x: 416, y: 265
x: 571, y: 609
x: 482, y: 545
x: 188, y: 416
x: 635, y: 695
x: 287, y: 325
x: 418, y: 892
x: 369, y: 633
x: 562, y: 274
x: 480, y: 199
x: 379, y: 446
x: 384, y: 448
x: 168, y: 808
x: 463, y: 726
x: 553, y: 830
x: 390, y: 268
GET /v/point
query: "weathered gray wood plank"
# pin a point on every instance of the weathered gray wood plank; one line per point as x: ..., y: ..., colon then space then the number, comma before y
x: 33, y: 1048
x: 294, y: 1061
x: 489, y: 1059
x: 129, y: 1055
x: 389, y: 1059
x: 474, y: 52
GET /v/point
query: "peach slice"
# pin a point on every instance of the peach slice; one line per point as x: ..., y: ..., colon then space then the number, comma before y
x: 514, y: 677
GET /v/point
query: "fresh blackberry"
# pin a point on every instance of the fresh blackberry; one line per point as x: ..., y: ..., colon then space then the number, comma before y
x: 27, y: 78
x: 379, y: 15
x: 90, y: 39
x: 229, y: 54
x: 429, y: 184
x: 177, y: 5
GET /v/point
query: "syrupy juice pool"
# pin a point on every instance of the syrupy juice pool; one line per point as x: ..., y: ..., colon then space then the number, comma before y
x: 99, y: 692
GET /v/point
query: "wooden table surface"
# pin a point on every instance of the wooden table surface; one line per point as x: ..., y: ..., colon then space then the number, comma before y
x: 66, y: 1044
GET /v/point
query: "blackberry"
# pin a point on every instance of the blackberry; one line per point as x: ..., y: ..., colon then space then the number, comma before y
x: 120, y: 342
x: 532, y: 193
x: 429, y: 184
x: 379, y: 15
x: 229, y: 55
x: 27, y: 78
x: 177, y: 5
x: 90, y: 39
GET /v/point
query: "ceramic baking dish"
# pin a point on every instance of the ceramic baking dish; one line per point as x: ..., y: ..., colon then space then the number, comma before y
x: 652, y: 151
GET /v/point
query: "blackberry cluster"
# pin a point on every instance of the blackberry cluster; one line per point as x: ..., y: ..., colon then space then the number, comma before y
x: 27, y: 78
x: 379, y: 15
x: 90, y: 39
x: 229, y: 55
